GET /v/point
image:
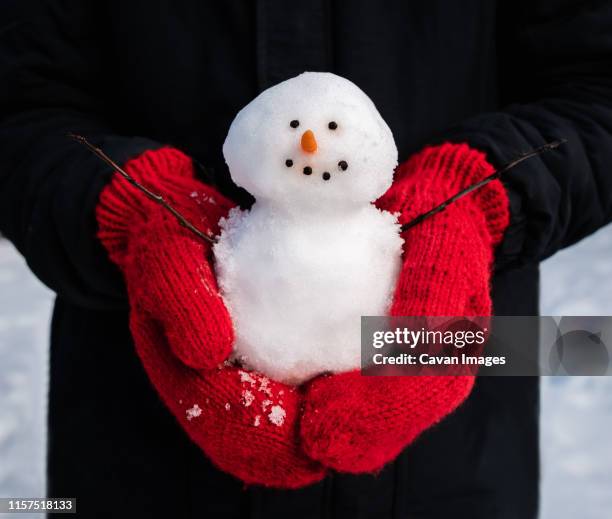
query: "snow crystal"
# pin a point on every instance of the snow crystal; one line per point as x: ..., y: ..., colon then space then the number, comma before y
x: 193, y: 412
x: 277, y: 415
x: 264, y: 386
x: 194, y: 194
x: 265, y: 404
x: 228, y: 406
x: 247, y: 398
x: 313, y: 254
x: 257, y: 421
x: 246, y: 377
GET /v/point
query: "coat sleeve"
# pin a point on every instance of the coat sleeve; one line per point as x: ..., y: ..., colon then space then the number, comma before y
x: 49, y: 185
x: 556, y: 75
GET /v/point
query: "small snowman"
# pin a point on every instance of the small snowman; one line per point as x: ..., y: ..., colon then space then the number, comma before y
x: 299, y: 269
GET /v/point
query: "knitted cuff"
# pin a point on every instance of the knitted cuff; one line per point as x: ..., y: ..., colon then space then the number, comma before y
x: 439, y: 172
x: 123, y: 208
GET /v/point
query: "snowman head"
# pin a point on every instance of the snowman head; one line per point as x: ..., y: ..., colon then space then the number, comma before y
x: 311, y: 142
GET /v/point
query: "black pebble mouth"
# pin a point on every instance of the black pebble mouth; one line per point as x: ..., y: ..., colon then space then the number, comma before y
x: 326, y: 175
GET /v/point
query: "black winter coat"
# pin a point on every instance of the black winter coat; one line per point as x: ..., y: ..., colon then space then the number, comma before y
x: 131, y: 75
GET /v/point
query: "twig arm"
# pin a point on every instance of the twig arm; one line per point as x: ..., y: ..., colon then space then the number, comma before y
x: 156, y: 197
x: 497, y: 174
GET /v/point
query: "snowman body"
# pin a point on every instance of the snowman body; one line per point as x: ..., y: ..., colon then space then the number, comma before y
x: 299, y: 269
x: 292, y: 318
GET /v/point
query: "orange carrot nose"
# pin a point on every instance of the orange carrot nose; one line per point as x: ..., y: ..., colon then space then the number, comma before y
x: 309, y: 143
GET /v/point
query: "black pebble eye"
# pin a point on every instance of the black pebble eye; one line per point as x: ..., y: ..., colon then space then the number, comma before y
x: 307, y: 170
x: 294, y: 124
x: 326, y: 176
x: 332, y: 125
x: 288, y: 163
x: 343, y: 165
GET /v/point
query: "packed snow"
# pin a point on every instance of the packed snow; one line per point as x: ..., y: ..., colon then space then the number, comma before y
x: 313, y: 254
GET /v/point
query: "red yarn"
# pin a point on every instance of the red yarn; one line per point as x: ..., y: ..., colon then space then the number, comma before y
x: 357, y: 424
x: 167, y: 269
x: 246, y: 424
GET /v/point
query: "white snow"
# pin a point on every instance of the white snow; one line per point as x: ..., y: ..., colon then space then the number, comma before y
x: 201, y: 197
x: 264, y: 386
x: 261, y: 139
x: 277, y: 415
x: 313, y: 255
x: 25, y: 311
x: 246, y: 377
x: 576, y: 417
x: 247, y: 397
x: 193, y: 412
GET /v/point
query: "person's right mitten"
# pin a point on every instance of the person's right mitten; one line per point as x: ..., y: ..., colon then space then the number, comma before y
x: 167, y: 269
x: 356, y: 423
x: 245, y: 423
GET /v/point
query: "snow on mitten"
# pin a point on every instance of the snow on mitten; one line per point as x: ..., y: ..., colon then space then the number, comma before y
x: 245, y: 423
x: 354, y: 423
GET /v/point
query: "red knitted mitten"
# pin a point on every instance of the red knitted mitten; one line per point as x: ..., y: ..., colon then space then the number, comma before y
x: 167, y: 268
x: 355, y: 423
x: 246, y: 424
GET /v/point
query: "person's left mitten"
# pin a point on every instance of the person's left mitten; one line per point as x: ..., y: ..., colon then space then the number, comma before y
x: 355, y: 423
x: 167, y: 268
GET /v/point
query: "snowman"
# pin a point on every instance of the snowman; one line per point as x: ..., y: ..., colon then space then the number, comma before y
x: 313, y: 254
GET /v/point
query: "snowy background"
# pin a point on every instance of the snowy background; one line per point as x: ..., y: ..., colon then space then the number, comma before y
x: 576, y: 412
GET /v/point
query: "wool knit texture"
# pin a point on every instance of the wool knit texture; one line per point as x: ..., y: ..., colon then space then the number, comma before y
x: 167, y: 268
x: 245, y: 423
x: 353, y: 423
